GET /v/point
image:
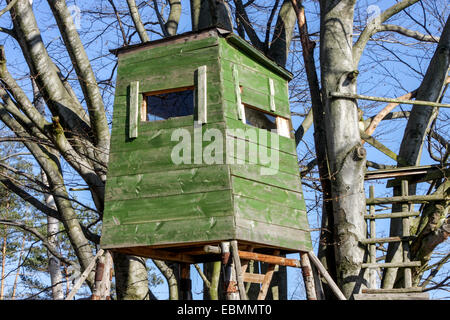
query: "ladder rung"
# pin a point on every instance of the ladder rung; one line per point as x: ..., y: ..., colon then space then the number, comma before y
x: 392, y: 296
x: 253, y: 277
x: 386, y: 240
x: 392, y: 265
x: 393, y: 290
x: 392, y: 215
x: 405, y: 199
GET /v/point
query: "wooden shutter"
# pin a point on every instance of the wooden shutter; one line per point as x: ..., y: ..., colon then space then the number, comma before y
x: 283, y: 127
x: 201, y: 95
x: 237, y: 90
x: 272, y: 95
x: 133, y: 103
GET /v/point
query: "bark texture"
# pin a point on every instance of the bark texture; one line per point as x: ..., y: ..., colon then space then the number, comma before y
x: 343, y: 140
x: 415, y: 133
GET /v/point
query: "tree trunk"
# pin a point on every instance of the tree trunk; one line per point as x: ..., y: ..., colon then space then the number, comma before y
x: 209, y: 13
x: 344, y: 153
x: 131, y: 278
x: 171, y: 278
x: 416, y: 131
x: 2, y: 279
x: 103, y: 275
x: 54, y: 266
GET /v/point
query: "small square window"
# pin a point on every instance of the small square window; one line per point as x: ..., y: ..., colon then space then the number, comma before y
x: 260, y: 119
x: 162, y: 105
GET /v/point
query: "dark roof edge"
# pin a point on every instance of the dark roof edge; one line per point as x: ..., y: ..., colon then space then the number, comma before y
x: 124, y: 49
x: 229, y: 36
x: 258, y: 55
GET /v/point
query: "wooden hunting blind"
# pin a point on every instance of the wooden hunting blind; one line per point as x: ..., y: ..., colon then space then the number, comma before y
x: 169, y: 209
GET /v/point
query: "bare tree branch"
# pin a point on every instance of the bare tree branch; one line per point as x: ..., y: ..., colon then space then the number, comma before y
x: 134, y: 12
x: 408, y: 33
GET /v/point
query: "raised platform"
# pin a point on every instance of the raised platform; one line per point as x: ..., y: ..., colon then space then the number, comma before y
x: 194, y: 252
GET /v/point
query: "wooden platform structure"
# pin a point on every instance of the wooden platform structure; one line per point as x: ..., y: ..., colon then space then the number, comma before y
x: 199, y: 83
x: 401, y: 176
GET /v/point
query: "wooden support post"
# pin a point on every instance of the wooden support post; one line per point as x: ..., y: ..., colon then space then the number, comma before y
x: 372, y: 247
x: 266, y: 282
x: 269, y: 259
x: 320, y: 294
x: 391, y: 100
x: 237, y: 264
x: 230, y: 282
x: 410, y: 199
x: 405, y: 244
x: 133, y: 110
x: 185, y: 281
x: 84, y: 276
x: 103, y: 277
x: 327, y: 276
x: 308, y: 277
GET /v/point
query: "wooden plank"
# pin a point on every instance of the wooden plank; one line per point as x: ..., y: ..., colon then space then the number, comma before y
x: 161, y: 76
x: 271, y: 95
x: 372, y: 247
x: 156, y: 152
x: 241, y: 151
x: 392, y: 215
x: 184, y: 181
x: 386, y: 240
x: 167, y: 49
x: 308, y: 276
x: 256, y: 98
x: 270, y: 259
x: 326, y: 275
x: 133, y: 108
x: 237, y: 92
x: 381, y: 99
x: 190, y: 60
x: 84, y: 275
x: 201, y: 95
x: 269, y: 194
x: 392, y: 296
x: 272, y: 235
x: 256, y: 172
x: 256, y: 79
x: 158, y: 135
x: 168, y: 233
x: 409, y: 199
x: 274, y: 214
x: 283, y: 127
x: 159, y: 209
x: 393, y: 290
x: 267, y: 279
x: 410, y: 264
x: 282, y: 143
x: 381, y: 147
x: 253, y: 277
x: 159, y: 254
x: 261, y: 64
x: 237, y: 264
x: 430, y: 175
x: 405, y: 234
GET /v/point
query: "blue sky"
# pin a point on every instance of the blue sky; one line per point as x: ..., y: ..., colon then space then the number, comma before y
x: 381, y: 74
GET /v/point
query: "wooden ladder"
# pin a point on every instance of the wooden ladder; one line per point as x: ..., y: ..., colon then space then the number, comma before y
x: 263, y: 279
x: 408, y: 292
x: 236, y: 262
x: 241, y: 259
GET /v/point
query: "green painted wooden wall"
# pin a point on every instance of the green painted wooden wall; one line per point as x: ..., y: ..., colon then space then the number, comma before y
x: 150, y: 201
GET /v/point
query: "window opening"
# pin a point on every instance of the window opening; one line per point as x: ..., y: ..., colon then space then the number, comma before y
x: 162, y: 105
x: 260, y: 119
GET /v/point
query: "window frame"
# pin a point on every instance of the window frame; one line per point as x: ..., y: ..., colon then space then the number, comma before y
x: 144, y: 106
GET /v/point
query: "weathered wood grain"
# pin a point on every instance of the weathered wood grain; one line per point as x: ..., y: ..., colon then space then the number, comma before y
x: 168, y: 208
